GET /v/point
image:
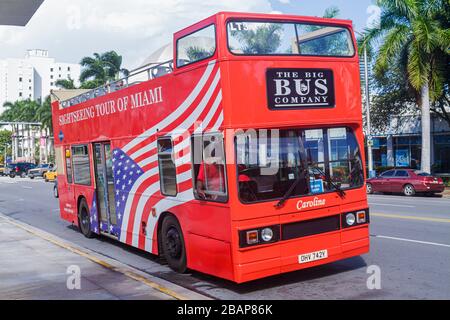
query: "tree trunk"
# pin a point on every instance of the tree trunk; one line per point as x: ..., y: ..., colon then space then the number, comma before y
x: 426, y: 129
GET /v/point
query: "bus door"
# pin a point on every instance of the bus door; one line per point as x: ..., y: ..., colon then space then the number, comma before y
x: 68, y: 196
x: 104, y: 182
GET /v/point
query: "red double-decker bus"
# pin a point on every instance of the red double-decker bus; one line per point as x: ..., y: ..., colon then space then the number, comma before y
x: 240, y: 158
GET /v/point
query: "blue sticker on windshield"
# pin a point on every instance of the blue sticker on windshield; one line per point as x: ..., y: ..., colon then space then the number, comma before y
x: 316, y: 185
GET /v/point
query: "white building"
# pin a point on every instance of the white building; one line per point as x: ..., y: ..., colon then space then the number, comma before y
x: 33, y: 77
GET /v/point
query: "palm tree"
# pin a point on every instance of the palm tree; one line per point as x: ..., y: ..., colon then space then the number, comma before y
x: 22, y: 110
x: 44, y: 114
x: 101, y: 68
x: 412, y: 36
x: 66, y: 84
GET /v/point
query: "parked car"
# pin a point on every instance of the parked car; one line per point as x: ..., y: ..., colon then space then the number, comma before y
x: 2, y: 170
x: 406, y: 181
x: 40, y: 170
x: 50, y: 175
x: 18, y: 169
x: 55, y: 189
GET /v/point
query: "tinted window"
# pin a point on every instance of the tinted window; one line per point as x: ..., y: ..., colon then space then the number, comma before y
x: 81, y: 165
x: 389, y: 173
x: 196, y: 46
x: 167, y: 168
x: 401, y: 173
x: 422, y: 174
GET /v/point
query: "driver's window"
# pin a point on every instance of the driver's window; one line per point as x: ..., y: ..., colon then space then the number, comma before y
x: 209, y: 174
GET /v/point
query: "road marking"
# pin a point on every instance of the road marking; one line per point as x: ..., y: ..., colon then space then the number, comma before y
x: 390, y: 205
x: 27, y: 187
x: 435, y: 201
x: 414, y: 241
x: 397, y: 216
x: 103, y: 263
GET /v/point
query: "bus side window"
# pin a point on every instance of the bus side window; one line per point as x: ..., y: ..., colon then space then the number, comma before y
x: 81, y: 165
x: 68, y: 157
x: 209, y: 174
x: 196, y: 46
x: 167, y: 168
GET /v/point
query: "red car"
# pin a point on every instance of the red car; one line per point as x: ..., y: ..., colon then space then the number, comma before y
x: 406, y: 181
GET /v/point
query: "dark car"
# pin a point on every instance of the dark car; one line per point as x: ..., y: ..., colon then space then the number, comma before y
x: 406, y: 181
x: 40, y: 170
x: 19, y: 169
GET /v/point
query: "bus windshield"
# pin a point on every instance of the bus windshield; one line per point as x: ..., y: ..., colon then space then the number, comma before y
x: 316, y: 160
x: 286, y: 38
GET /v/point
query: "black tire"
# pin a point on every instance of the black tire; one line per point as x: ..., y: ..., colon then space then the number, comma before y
x: 84, y: 221
x: 31, y: 176
x: 408, y: 190
x: 369, y: 188
x: 55, y: 192
x: 172, y: 243
x: 46, y: 180
x: 12, y: 176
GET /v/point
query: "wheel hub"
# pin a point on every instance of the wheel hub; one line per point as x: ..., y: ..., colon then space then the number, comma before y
x: 173, y: 243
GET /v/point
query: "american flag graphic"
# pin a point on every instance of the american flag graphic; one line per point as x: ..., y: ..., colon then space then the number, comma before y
x: 94, y: 217
x: 126, y: 172
x: 135, y: 165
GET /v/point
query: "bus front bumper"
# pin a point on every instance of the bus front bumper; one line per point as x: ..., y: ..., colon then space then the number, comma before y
x: 284, y: 256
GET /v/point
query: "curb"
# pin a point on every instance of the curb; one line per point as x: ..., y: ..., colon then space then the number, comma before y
x: 173, y: 290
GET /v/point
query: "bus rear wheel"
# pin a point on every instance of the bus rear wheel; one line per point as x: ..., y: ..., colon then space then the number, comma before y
x: 172, y: 243
x: 84, y: 219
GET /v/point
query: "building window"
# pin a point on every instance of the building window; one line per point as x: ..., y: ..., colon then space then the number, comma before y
x: 407, y: 151
x: 379, y: 152
x: 68, y: 68
x: 51, y: 83
x: 20, y: 94
x: 167, y: 168
x: 441, y: 154
x: 81, y: 165
x: 209, y: 167
x: 51, y: 69
x: 20, y: 79
x: 51, y: 77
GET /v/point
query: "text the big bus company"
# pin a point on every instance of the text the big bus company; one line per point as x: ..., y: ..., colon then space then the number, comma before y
x: 121, y: 104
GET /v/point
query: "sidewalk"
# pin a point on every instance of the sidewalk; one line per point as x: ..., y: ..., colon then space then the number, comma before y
x: 446, y: 193
x: 34, y: 265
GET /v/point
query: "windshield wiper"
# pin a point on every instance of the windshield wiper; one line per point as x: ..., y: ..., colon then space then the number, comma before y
x: 291, y: 189
x: 336, y: 187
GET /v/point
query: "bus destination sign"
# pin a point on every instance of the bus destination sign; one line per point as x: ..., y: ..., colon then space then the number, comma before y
x: 300, y: 88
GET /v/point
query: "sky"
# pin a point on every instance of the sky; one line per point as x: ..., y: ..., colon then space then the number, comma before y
x: 72, y: 29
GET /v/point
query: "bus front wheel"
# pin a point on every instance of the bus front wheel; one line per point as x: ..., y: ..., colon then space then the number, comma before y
x: 84, y: 219
x: 172, y: 243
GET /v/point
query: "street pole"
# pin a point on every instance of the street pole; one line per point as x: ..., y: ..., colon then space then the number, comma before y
x: 369, y: 143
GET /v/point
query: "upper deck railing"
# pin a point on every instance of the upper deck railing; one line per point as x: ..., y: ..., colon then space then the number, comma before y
x: 144, y: 73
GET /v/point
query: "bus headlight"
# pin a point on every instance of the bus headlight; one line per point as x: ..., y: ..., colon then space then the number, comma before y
x: 266, y: 234
x: 350, y: 219
x: 259, y: 236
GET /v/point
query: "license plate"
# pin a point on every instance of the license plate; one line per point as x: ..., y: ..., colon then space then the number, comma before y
x: 313, y: 256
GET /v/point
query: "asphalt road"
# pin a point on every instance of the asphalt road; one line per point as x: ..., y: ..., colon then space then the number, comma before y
x: 410, y: 244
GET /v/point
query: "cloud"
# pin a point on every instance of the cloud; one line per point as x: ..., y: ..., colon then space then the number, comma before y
x: 71, y: 29
x: 284, y: 1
